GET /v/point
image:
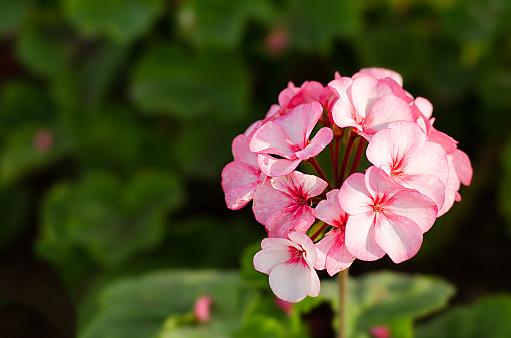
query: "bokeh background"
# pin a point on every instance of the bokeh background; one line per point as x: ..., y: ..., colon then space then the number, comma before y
x: 116, y: 119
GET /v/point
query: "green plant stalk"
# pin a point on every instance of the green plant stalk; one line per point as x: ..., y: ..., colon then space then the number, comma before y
x: 343, y: 292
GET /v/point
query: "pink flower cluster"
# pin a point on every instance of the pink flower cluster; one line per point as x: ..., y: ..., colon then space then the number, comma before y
x: 316, y: 223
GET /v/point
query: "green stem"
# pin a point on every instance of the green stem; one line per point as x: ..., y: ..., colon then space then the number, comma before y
x: 345, y: 159
x: 318, y: 169
x: 343, y: 288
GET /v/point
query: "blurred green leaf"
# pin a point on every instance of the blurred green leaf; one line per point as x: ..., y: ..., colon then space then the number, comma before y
x: 120, y: 20
x: 489, y: 318
x: 216, y: 242
x: 315, y: 25
x: 29, y: 148
x: 14, y: 222
x: 170, y: 81
x: 16, y: 111
x: 260, y: 326
x: 219, y: 23
x: 138, y: 307
x: 43, y: 51
x: 388, y: 299
x: 111, y: 220
x: 248, y: 274
x: 201, y: 143
x: 100, y: 70
x: 12, y: 13
x: 109, y: 137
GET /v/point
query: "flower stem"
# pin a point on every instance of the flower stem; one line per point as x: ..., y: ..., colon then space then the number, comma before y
x: 318, y: 232
x: 345, y: 159
x: 343, y: 292
x: 318, y: 169
x: 358, y: 156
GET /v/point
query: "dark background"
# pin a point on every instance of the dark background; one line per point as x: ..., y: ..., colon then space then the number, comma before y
x: 116, y: 119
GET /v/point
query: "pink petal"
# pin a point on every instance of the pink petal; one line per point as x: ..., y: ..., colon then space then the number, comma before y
x: 428, y: 159
x: 343, y: 113
x: 398, y: 236
x: 380, y: 73
x: 275, y: 242
x: 353, y: 195
x: 299, y: 122
x: 299, y: 185
x: 268, y: 201
x: 271, y: 139
x: 252, y: 129
x: 266, y: 259
x: 315, y: 284
x: 360, y: 237
x: 330, y: 211
x: 463, y: 167
x: 448, y: 143
x: 241, y: 151
x: 451, y: 188
x: 340, y: 87
x: 332, y: 253
x: 317, y: 144
x: 392, y: 146
x: 290, y: 218
x: 274, y: 109
x: 379, y: 184
x: 386, y: 110
x: 424, y: 106
x: 307, y: 245
x: 413, y: 205
x: 428, y: 185
x: 292, y: 282
x: 239, y: 182
x: 364, y: 91
x: 273, y: 167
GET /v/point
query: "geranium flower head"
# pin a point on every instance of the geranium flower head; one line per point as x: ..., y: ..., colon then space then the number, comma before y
x: 384, y: 217
x: 287, y: 137
x: 332, y: 252
x: 282, y: 203
x: 289, y: 262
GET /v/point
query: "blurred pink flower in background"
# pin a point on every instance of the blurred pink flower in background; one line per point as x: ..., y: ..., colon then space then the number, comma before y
x: 202, y: 308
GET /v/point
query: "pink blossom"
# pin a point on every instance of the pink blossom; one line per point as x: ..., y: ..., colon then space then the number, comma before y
x: 241, y: 176
x: 277, y: 41
x: 332, y: 253
x: 403, y: 152
x: 282, y: 203
x: 380, y: 332
x: 288, y: 138
x: 369, y: 104
x: 384, y: 217
x: 202, y: 309
x: 43, y: 140
x: 289, y: 263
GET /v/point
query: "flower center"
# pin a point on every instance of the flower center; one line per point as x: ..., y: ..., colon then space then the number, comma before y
x: 377, y: 207
x: 296, y: 255
x: 398, y: 172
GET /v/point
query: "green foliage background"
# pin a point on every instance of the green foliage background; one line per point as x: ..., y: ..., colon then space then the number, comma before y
x: 116, y: 118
